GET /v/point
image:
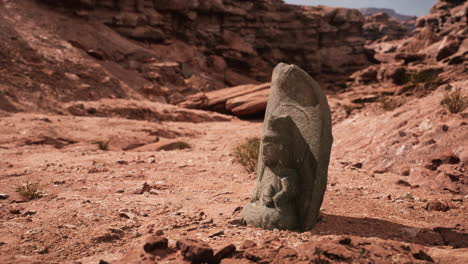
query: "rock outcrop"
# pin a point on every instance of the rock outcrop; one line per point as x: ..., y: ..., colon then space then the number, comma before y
x: 390, y: 12
x: 382, y: 27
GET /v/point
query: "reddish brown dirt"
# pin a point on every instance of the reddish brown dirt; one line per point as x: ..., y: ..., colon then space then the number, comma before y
x: 89, y: 211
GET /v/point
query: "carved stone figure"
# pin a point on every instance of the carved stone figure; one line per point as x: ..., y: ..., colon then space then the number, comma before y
x: 294, y: 154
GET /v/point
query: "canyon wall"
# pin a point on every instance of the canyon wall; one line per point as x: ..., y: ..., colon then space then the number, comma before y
x: 235, y: 41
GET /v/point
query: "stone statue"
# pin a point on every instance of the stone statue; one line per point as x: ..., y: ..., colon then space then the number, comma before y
x: 294, y: 154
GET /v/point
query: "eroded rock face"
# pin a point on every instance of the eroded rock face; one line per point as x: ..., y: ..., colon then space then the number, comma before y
x: 380, y: 26
x: 294, y: 154
x: 249, y: 38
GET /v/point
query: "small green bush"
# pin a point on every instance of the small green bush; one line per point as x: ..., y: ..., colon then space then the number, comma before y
x: 247, y: 154
x: 29, y: 190
x: 455, y: 101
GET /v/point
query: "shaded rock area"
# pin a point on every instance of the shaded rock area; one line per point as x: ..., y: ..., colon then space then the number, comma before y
x: 141, y: 110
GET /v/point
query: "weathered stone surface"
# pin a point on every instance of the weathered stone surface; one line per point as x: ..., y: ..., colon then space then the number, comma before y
x: 294, y: 154
x: 381, y: 25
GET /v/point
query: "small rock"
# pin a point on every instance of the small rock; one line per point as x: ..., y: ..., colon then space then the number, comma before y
x: 421, y: 255
x: 406, y: 173
x: 345, y: 241
x: 403, y: 183
x: 287, y: 252
x: 152, y: 160
x: 136, y: 234
x: 442, y: 158
x: 110, y: 236
x: 141, y: 190
x: 358, y: 165
x: 155, y: 242
x: 122, y: 162
x: 195, y: 251
x: 225, y: 252
x: 43, y: 251
x: 437, y: 206
x: 402, y: 134
x: 237, y: 222
x: 219, y: 233
x: 445, y: 128
x: 15, y: 211
x: 4, y: 196
x: 29, y: 212
x: 248, y: 244
x: 120, y: 191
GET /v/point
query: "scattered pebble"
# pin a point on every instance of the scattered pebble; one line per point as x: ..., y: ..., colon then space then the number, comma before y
x: 4, y: 196
x: 142, y: 189
x: 219, y: 233
x: 29, y: 212
x: 122, y: 162
x: 403, y: 183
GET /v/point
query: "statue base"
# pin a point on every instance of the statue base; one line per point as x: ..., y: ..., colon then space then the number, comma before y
x: 268, y: 218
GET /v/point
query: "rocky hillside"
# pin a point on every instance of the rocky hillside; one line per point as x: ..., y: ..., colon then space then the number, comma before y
x: 381, y: 27
x: 59, y: 51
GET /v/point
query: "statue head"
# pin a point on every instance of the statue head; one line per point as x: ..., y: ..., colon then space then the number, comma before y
x: 276, y: 142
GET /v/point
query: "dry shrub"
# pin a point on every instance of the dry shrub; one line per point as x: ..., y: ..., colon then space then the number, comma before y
x: 247, y: 154
x: 389, y: 103
x: 348, y: 109
x: 103, y: 144
x: 455, y: 101
x: 179, y: 145
x: 182, y: 145
x: 29, y: 190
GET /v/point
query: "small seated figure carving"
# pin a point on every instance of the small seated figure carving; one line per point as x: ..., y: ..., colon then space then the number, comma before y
x: 279, y: 187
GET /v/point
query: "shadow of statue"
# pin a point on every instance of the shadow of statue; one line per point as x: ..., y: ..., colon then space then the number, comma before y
x: 383, y: 229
